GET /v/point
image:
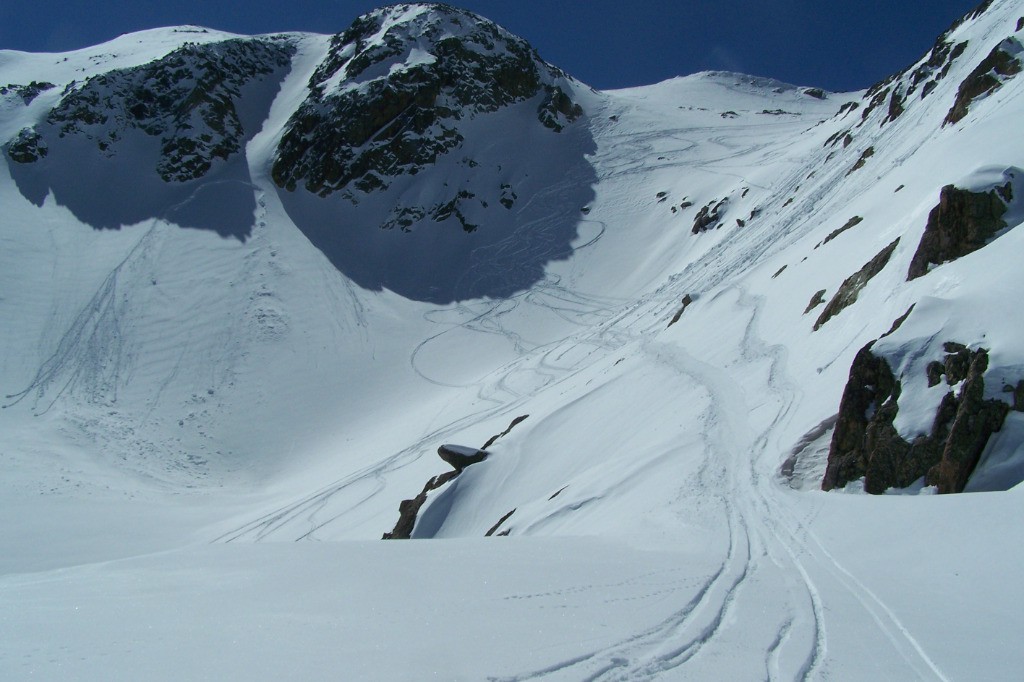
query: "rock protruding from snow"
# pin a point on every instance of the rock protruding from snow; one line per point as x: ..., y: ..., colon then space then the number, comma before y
x: 26, y: 93
x: 973, y: 423
x: 1001, y: 64
x: 962, y: 223
x: 408, y: 510
x: 852, y: 285
x: 709, y: 216
x: 460, y: 456
x: 866, y: 444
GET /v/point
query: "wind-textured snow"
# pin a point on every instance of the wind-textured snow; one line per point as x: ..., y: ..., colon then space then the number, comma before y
x: 204, y: 437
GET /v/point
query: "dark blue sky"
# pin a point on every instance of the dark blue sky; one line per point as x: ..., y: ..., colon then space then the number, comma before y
x: 838, y: 44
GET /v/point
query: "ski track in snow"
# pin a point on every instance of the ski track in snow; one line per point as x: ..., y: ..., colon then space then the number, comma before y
x: 767, y: 543
x: 776, y: 599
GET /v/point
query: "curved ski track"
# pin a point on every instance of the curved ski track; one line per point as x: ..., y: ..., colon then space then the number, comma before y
x: 775, y: 572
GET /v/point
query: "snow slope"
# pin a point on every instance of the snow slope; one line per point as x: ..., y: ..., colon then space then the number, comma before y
x: 205, y: 434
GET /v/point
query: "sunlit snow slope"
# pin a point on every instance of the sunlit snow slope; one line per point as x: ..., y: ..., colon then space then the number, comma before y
x: 229, y: 355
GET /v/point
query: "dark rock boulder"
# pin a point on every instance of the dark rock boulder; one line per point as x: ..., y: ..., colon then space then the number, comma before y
x: 866, y: 444
x: 852, y: 285
x: 460, y: 456
x: 962, y: 223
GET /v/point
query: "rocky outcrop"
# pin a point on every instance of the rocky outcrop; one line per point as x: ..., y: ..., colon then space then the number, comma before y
x: 963, y: 222
x: 1001, y: 64
x: 865, y: 444
x: 27, y: 93
x: 852, y: 285
x: 974, y: 420
x: 935, y: 67
x: 27, y: 147
x: 389, y: 96
x: 460, y: 457
x: 871, y: 385
x: 709, y: 216
x: 187, y: 100
x: 408, y: 510
x: 895, y: 105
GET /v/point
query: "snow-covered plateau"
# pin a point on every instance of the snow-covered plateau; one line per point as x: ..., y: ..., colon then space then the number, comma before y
x: 745, y: 362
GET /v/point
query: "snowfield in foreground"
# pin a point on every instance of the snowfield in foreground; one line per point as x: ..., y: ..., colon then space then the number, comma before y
x: 210, y: 419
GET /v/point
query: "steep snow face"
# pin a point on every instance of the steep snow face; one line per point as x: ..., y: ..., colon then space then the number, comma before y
x: 653, y: 308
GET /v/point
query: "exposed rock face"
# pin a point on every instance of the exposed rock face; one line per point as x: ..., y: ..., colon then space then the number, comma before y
x: 419, y: 132
x: 936, y: 67
x: 895, y: 105
x: 358, y: 126
x: 27, y: 147
x: 963, y: 222
x: 27, y: 93
x: 975, y: 420
x: 866, y: 444
x: 870, y: 387
x: 1001, y: 64
x: 186, y: 99
x: 408, y: 510
x: 852, y: 285
x: 459, y: 457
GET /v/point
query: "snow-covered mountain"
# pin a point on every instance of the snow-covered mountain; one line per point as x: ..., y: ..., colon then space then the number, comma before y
x: 250, y: 285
